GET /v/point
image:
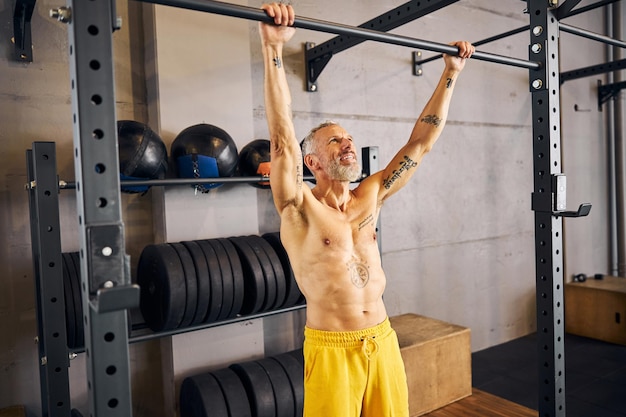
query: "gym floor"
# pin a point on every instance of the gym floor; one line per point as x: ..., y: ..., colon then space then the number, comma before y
x: 595, y: 374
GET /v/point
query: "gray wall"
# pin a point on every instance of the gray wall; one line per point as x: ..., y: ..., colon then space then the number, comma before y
x: 458, y: 242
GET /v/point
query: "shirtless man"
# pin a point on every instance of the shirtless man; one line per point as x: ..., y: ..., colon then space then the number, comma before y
x: 353, y: 365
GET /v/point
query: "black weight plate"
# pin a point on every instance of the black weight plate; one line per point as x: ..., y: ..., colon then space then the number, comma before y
x: 201, y: 396
x: 293, y: 292
x: 254, y: 281
x: 191, y: 284
x: 234, y: 393
x: 70, y: 317
x: 295, y: 372
x: 203, y: 283
x: 227, y: 279
x: 78, y: 301
x: 237, y: 271
x: 163, y: 291
x: 258, y: 387
x: 283, y: 394
x: 75, y: 413
x: 298, y: 354
x: 268, y: 273
x: 215, y: 279
x: 279, y: 274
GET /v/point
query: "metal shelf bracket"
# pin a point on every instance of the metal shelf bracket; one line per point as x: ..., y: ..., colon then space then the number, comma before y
x: 22, y: 37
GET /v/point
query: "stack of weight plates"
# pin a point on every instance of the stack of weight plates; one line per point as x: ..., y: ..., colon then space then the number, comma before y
x: 269, y: 387
x: 73, y: 301
x: 204, y: 281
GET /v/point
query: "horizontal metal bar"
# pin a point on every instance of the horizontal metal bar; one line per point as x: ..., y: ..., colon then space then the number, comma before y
x: 593, y: 70
x: 150, y: 336
x: 591, y: 35
x: 481, y: 42
x: 182, y: 181
x: 252, y: 13
x: 584, y: 9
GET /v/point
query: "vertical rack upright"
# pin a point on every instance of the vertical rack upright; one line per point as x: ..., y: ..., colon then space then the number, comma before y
x: 544, y: 86
x: 106, y: 286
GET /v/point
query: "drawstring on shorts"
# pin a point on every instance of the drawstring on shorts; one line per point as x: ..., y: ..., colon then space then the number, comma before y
x: 370, y: 346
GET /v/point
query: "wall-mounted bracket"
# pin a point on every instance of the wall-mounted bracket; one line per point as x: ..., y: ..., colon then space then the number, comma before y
x: 314, y: 65
x: 608, y: 92
x: 21, y: 30
x: 417, y: 63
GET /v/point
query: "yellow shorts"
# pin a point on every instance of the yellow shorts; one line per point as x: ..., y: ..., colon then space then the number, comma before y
x: 354, y: 374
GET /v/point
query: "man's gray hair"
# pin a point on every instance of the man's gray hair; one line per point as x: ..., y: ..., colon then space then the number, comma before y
x: 307, y: 143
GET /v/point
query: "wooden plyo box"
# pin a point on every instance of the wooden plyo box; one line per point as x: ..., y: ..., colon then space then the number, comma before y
x: 596, y: 308
x: 437, y: 358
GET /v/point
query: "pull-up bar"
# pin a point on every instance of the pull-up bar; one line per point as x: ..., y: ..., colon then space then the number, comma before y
x: 250, y: 13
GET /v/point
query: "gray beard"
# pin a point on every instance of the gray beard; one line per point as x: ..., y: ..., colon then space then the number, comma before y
x: 339, y: 172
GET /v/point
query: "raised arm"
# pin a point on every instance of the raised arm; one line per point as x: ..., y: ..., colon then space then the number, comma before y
x: 427, y: 128
x: 286, y: 156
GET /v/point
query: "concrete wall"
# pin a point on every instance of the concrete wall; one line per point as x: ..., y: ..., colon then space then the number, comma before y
x: 458, y: 242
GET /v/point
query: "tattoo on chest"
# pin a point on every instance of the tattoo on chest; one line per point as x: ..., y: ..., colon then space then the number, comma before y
x: 368, y: 220
x: 405, y: 165
x: 359, y: 274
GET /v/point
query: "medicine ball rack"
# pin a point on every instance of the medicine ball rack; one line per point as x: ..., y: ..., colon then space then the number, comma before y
x: 108, y: 291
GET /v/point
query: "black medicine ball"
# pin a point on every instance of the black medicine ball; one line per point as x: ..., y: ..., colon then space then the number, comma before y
x: 142, y: 153
x: 254, y: 159
x: 204, y: 151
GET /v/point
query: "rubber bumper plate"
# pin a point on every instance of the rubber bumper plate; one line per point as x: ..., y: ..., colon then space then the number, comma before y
x: 293, y: 292
x: 258, y: 387
x: 191, y: 284
x: 254, y: 280
x: 283, y: 394
x: 228, y: 291
x: 279, y: 273
x: 237, y: 271
x: 295, y: 372
x: 215, y: 280
x: 163, y: 290
x: 203, y: 281
x: 201, y: 396
x: 268, y: 273
x: 234, y: 393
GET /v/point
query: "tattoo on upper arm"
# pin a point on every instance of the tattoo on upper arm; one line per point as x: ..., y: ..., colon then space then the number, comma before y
x: 277, y: 62
x: 432, y: 119
x: 299, y: 176
x: 448, y: 82
x: 405, y: 165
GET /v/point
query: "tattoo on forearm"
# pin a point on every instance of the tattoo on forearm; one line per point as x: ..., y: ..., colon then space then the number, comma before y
x: 277, y: 62
x: 432, y: 119
x: 448, y: 82
x: 368, y: 220
x: 359, y: 274
x: 405, y: 165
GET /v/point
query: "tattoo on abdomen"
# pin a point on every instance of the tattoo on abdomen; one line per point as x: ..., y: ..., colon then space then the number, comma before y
x: 359, y: 275
x: 405, y: 165
x: 432, y: 119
